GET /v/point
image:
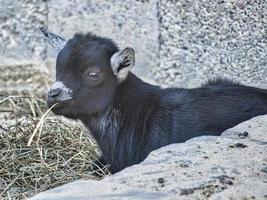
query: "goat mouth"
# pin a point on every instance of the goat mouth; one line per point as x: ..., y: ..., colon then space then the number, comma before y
x: 59, y: 105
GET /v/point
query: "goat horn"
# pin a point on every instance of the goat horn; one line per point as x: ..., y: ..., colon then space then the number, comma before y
x: 55, y: 40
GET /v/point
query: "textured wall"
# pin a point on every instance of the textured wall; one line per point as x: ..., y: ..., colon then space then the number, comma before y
x: 22, y: 49
x: 209, y: 38
x: 179, y: 43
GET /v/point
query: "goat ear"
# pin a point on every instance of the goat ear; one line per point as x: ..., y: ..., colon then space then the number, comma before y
x: 55, y: 40
x: 121, y: 63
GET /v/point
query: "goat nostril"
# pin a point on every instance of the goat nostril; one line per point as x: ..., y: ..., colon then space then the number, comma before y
x: 54, y: 93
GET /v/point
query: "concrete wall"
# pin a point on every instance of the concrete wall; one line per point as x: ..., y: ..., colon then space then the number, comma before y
x: 210, y: 38
x: 22, y: 49
x: 179, y: 43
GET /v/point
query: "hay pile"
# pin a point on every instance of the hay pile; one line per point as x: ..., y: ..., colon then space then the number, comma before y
x: 38, y: 153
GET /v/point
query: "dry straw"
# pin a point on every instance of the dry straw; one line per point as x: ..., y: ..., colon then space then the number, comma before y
x: 40, y: 151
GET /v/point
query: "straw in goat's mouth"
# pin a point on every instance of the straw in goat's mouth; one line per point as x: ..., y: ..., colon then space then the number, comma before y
x: 40, y: 124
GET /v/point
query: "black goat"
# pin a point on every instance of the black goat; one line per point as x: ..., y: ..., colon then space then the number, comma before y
x: 130, y: 118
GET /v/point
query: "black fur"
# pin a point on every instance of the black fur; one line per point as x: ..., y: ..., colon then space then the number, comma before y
x: 131, y: 118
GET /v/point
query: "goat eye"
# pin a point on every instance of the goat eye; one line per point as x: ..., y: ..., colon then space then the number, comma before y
x: 93, y: 75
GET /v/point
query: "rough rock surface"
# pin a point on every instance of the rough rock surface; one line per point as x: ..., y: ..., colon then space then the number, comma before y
x: 231, y: 166
x: 207, y: 38
x: 22, y: 48
x: 178, y: 43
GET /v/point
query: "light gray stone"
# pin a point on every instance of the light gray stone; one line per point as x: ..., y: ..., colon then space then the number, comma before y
x: 231, y: 166
x: 179, y: 43
x: 22, y: 48
x: 207, y: 38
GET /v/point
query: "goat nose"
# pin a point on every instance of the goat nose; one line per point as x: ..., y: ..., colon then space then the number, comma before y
x: 54, y: 92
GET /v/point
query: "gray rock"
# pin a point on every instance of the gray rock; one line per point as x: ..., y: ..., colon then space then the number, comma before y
x: 231, y: 166
x: 22, y: 48
x: 206, y: 38
x: 180, y: 43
